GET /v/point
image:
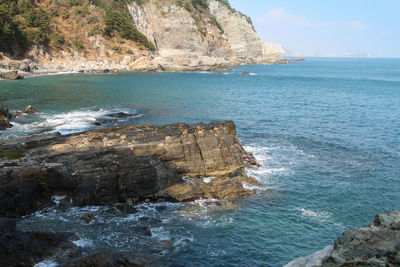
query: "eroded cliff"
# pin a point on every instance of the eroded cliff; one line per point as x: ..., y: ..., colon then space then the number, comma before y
x: 105, y: 34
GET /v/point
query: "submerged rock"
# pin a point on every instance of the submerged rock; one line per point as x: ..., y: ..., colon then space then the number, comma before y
x: 29, y: 110
x: 87, y: 218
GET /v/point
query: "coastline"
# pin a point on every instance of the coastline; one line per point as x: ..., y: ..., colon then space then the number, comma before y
x: 201, y: 68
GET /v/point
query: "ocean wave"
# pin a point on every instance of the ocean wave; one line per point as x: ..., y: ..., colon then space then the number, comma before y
x: 270, y: 168
x: 47, y: 263
x: 83, y: 243
x: 321, y: 217
x: 69, y: 122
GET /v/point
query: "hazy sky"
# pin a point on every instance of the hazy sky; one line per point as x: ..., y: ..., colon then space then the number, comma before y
x: 338, y: 27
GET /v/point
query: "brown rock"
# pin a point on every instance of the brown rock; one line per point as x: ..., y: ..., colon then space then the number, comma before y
x: 245, y: 73
x: 87, y: 218
x: 4, y: 123
x: 12, y: 75
x: 125, y: 165
x: 226, y: 187
x: 29, y: 110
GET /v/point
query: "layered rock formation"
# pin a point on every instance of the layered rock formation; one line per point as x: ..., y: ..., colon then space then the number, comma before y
x: 126, y: 165
x: 186, y: 35
x: 376, y: 245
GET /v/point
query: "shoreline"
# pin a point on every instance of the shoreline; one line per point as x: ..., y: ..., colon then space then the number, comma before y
x: 183, y: 69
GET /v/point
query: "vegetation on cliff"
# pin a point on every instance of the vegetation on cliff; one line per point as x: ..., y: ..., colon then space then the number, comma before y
x: 56, y: 24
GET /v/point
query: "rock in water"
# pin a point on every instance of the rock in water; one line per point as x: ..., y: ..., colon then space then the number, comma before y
x: 125, y: 165
x: 4, y: 112
x: 376, y: 245
x: 5, y: 115
x: 87, y: 218
x: 30, y: 110
x: 4, y: 123
x: 11, y: 75
x: 245, y: 73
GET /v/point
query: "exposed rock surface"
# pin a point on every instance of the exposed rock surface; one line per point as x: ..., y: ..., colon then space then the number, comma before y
x: 11, y: 75
x: 124, y: 165
x: 376, y: 245
x: 4, y: 118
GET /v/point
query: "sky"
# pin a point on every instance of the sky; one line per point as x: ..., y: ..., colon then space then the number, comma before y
x: 327, y: 27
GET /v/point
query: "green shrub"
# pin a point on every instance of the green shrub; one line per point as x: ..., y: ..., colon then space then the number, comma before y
x: 78, y: 44
x: 22, y: 24
x: 117, y: 22
x: 58, y: 40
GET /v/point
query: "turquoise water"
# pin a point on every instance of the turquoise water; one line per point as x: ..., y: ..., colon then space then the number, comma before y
x: 327, y: 132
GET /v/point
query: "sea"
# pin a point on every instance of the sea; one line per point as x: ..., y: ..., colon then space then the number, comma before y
x: 326, y: 131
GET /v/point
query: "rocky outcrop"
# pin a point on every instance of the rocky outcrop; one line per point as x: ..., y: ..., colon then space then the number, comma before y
x: 124, y: 165
x: 376, y: 245
x: 5, y: 116
x: 11, y: 75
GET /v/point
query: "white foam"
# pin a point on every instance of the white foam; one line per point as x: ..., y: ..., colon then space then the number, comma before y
x: 313, y: 260
x: 47, y: 263
x: 321, y: 217
x: 248, y: 186
x: 83, y: 243
x: 57, y: 199
x: 208, y: 180
x: 67, y: 122
x: 160, y: 233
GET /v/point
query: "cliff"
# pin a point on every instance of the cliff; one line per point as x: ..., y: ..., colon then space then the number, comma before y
x: 127, y: 35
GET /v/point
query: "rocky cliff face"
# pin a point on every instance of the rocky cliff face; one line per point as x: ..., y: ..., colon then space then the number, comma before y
x: 186, y: 36
x: 218, y: 36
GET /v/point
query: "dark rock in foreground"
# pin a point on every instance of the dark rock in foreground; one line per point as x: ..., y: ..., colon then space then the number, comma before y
x: 124, y: 165
x: 376, y: 245
x: 28, y: 248
x: 106, y: 259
